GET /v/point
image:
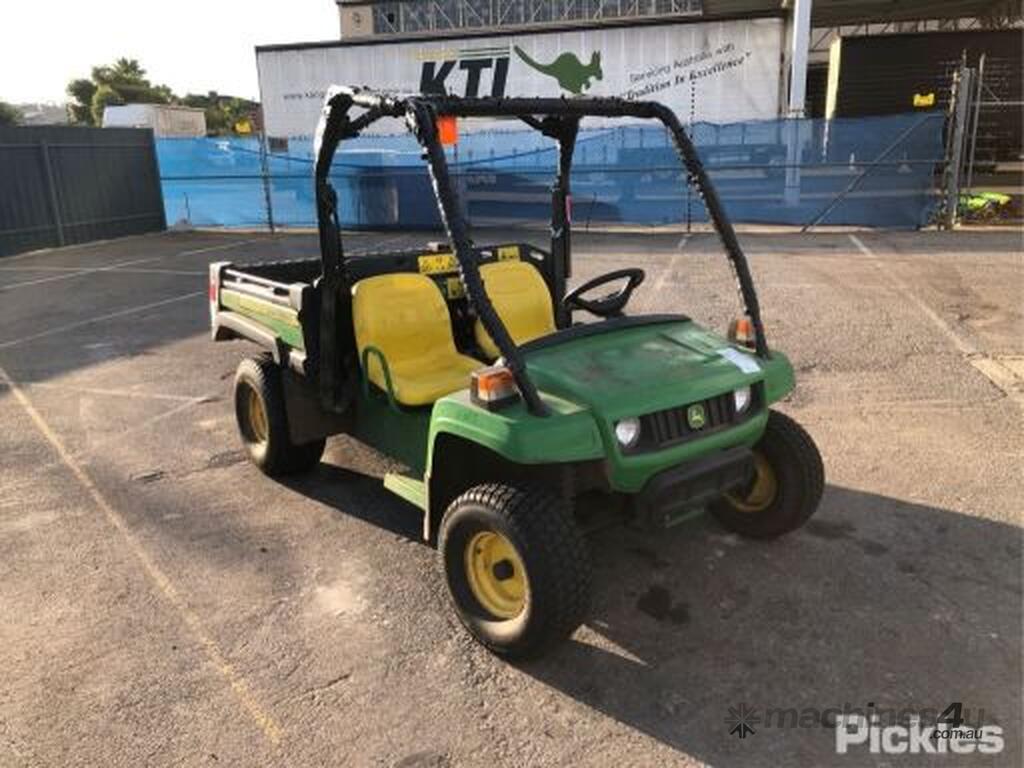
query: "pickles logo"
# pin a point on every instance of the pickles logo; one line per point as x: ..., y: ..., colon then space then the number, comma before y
x: 571, y: 73
x: 695, y: 416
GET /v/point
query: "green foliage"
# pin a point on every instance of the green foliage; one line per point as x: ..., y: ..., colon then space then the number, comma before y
x: 82, y: 91
x: 123, y: 82
x: 223, y: 113
x: 104, y: 97
x: 9, y: 114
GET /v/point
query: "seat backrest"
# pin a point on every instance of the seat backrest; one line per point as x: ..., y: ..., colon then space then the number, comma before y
x: 522, y: 300
x: 403, y: 315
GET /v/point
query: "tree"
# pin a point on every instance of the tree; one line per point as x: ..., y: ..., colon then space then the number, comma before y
x: 9, y: 114
x: 223, y: 113
x: 104, y: 97
x: 82, y: 91
x: 123, y: 82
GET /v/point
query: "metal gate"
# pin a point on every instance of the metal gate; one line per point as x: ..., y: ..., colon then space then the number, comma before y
x: 61, y: 185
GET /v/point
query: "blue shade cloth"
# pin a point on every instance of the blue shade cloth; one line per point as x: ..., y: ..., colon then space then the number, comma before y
x: 876, y: 171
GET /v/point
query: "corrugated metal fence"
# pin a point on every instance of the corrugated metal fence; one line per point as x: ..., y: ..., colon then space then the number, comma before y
x: 62, y: 185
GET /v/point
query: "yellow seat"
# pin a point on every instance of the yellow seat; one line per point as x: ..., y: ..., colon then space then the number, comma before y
x: 521, y: 298
x: 406, y: 318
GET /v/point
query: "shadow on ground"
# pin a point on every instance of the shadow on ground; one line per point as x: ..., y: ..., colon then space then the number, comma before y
x: 361, y: 496
x: 876, y: 600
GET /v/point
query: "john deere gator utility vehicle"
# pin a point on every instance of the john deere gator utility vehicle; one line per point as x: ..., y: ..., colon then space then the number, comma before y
x: 469, y: 366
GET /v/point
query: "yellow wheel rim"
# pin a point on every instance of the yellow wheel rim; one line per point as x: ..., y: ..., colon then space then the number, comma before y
x: 762, y: 492
x: 257, y: 417
x: 496, y: 574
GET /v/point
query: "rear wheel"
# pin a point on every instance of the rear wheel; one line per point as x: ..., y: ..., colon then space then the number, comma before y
x: 263, y: 421
x: 789, y: 479
x: 517, y: 568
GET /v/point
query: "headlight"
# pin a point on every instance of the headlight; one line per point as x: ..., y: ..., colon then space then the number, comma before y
x: 741, y: 397
x: 627, y: 432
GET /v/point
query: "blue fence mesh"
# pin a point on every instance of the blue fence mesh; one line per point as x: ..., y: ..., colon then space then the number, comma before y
x: 877, y: 171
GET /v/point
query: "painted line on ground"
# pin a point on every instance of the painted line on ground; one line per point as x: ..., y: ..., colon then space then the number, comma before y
x: 145, y: 270
x: 39, y: 268
x: 158, y: 271
x: 110, y: 392
x: 672, y: 262
x: 82, y: 246
x: 78, y: 273
x: 238, y: 685
x: 146, y: 423
x: 212, y: 248
x: 999, y: 375
x: 89, y: 270
x: 99, y: 319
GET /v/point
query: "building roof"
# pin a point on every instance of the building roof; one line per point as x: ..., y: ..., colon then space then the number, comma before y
x: 833, y: 13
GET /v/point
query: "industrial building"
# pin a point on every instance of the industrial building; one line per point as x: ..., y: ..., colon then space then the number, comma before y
x: 812, y: 26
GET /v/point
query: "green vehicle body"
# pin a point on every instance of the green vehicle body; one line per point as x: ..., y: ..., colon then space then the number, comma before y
x: 661, y: 366
x: 587, y: 383
x: 512, y: 419
x: 573, y: 386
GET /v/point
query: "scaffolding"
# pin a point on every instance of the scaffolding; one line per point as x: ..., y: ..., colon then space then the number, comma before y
x: 426, y: 16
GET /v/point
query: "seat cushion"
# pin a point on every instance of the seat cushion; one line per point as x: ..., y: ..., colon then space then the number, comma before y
x: 522, y: 300
x: 405, y: 317
x: 423, y: 380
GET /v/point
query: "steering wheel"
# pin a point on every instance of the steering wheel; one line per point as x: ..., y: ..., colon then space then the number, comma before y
x: 609, y: 305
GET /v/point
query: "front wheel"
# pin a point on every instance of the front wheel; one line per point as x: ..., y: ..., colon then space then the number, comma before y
x: 789, y: 479
x: 517, y: 568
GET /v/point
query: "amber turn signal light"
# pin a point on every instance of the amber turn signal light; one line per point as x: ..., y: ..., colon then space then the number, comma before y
x: 493, y: 387
x: 741, y: 331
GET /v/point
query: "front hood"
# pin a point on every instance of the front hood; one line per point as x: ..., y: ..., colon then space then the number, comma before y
x: 637, y: 370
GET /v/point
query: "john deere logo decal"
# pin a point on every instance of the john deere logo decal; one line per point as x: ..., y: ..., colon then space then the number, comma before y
x: 571, y: 73
x: 695, y: 416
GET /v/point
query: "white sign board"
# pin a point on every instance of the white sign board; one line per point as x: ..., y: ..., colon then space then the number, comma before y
x: 720, y: 71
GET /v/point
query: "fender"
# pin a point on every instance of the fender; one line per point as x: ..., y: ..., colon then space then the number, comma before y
x: 513, y: 435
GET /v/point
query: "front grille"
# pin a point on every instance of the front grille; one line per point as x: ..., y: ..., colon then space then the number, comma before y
x: 662, y: 429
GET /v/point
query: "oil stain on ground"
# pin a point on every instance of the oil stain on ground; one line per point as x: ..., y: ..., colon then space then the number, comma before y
x: 656, y: 602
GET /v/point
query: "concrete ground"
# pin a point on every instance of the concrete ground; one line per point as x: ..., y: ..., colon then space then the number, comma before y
x: 165, y: 604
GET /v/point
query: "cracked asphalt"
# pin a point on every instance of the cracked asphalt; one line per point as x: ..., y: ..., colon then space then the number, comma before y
x: 164, y: 604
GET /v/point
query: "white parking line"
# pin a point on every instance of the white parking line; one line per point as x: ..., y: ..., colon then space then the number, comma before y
x: 69, y: 272
x: 212, y: 248
x: 40, y: 268
x: 110, y: 392
x: 83, y: 246
x: 158, y: 271
x: 78, y: 273
x: 146, y: 423
x: 113, y: 268
x: 1001, y: 377
x: 117, y: 269
x: 667, y: 272
x: 99, y: 319
x: 234, y: 680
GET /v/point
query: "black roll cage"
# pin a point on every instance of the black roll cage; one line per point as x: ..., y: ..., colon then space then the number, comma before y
x: 558, y: 118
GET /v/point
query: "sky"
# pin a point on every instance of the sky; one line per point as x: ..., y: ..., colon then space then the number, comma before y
x: 191, y: 45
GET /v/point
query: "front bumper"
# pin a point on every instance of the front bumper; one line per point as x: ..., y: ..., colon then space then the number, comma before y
x: 670, y: 496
